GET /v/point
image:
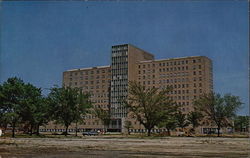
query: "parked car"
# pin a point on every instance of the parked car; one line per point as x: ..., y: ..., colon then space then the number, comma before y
x: 90, y: 133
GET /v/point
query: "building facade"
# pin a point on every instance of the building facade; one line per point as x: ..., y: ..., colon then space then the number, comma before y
x: 108, y: 85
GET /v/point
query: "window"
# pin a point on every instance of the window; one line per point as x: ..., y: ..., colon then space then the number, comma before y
x: 194, y: 61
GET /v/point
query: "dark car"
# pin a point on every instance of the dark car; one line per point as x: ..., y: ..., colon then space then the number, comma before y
x: 90, y: 133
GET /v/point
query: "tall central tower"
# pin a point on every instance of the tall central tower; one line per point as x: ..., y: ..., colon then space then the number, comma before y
x: 123, y: 69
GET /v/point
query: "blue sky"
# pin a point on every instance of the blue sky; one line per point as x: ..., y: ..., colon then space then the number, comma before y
x: 40, y: 40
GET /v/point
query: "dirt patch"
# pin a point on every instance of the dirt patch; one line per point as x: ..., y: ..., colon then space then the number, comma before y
x: 95, y: 147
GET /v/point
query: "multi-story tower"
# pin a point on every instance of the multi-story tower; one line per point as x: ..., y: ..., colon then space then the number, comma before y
x: 124, y: 60
x: 108, y: 85
x: 189, y: 77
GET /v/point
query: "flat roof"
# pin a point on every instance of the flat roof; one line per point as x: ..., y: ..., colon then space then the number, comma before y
x: 89, y: 68
x: 146, y: 61
x: 128, y: 44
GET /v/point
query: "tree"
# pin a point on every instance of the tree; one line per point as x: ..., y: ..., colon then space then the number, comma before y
x: 69, y: 105
x: 194, y: 118
x: 81, y: 109
x: 169, y: 123
x: 104, y: 116
x: 128, y: 126
x: 11, y: 99
x: 30, y: 105
x: 42, y: 113
x: 181, y: 120
x: 219, y: 109
x: 241, y: 123
x: 150, y: 106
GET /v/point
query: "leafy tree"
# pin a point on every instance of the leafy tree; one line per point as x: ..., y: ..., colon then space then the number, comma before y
x: 194, y: 119
x: 42, y: 113
x: 104, y: 116
x: 81, y: 109
x: 11, y: 99
x: 30, y: 104
x: 128, y: 126
x: 241, y: 122
x: 169, y: 123
x: 150, y: 106
x: 181, y: 120
x: 219, y: 109
x: 69, y: 105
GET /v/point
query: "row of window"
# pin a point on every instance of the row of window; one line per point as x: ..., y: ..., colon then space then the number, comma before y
x: 89, y: 72
x: 91, y: 82
x: 99, y: 100
x: 99, y: 95
x: 93, y: 87
x: 89, y: 77
x: 170, y: 63
x: 119, y: 47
